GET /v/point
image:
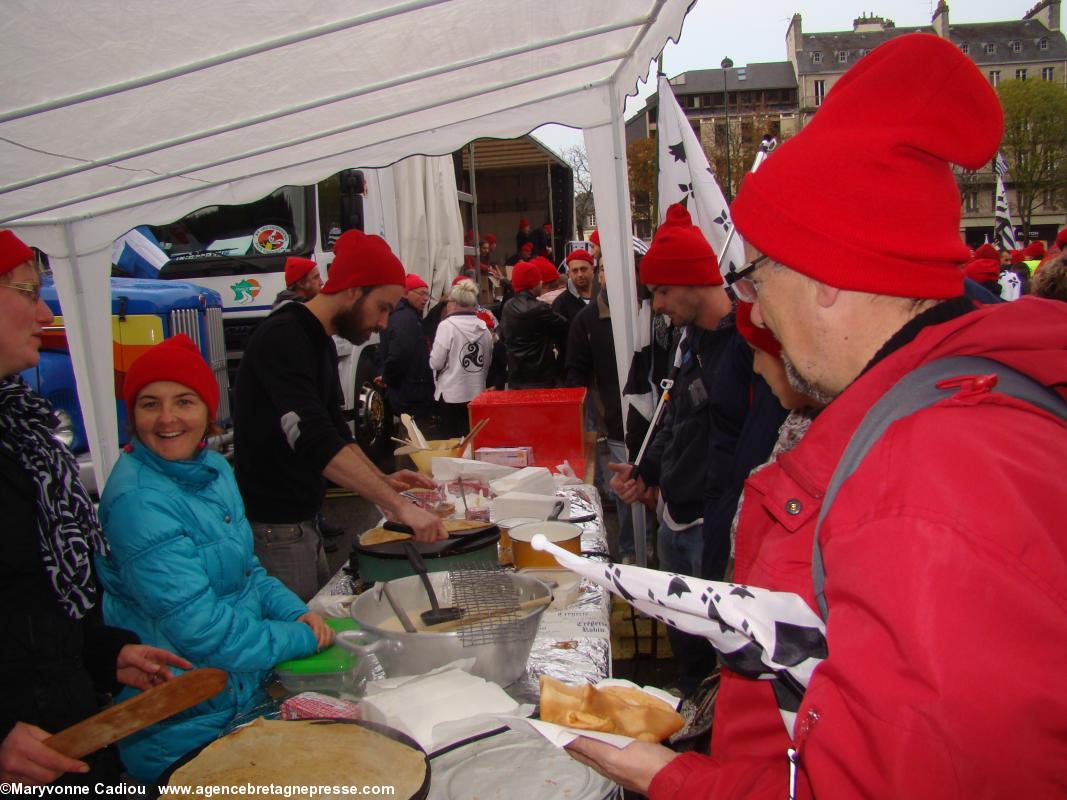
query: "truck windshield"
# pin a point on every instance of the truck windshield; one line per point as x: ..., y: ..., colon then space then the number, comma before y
x: 273, y: 225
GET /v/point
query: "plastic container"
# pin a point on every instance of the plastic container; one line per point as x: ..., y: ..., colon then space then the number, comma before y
x: 565, y: 585
x: 334, y: 671
x: 438, y: 447
x: 506, y: 525
x: 551, y: 421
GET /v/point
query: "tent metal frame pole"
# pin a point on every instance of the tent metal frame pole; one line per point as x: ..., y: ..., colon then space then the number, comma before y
x: 202, y: 184
x: 303, y: 108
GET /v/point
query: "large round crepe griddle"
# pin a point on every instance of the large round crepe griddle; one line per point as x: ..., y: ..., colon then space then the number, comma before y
x: 384, y: 730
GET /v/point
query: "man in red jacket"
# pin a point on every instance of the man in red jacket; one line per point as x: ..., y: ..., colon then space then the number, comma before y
x: 945, y: 552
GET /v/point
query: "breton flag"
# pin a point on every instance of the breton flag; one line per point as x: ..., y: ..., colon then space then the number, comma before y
x: 685, y: 177
x: 1003, y: 230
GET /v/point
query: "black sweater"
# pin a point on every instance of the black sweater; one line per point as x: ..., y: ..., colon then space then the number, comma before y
x: 287, y: 417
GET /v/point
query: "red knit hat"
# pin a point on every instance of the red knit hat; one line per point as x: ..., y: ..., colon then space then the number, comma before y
x: 362, y: 260
x: 549, y: 272
x: 1061, y: 238
x: 868, y: 179
x: 525, y: 276
x: 679, y: 254
x: 175, y: 359
x: 983, y: 269
x: 460, y: 277
x: 296, y: 268
x: 595, y: 237
x: 413, y: 281
x: 13, y: 251
x: 486, y: 317
x: 523, y: 223
x: 1034, y: 251
x: 490, y: 238
x: 760, y: 338
x: 580, y: 255
x: 987, y: 251
x: 1017, y: 256
x: 527, y: 247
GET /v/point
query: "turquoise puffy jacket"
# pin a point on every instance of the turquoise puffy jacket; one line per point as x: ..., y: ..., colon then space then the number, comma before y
x: 181, y: 574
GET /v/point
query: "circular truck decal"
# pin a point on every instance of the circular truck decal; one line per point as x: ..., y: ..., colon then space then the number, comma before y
x: 270, y: 239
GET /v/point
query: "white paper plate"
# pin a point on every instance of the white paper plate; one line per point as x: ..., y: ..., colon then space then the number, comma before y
x: 514, y: 765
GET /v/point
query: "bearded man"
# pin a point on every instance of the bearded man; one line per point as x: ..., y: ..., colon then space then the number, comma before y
x: 289, y: 434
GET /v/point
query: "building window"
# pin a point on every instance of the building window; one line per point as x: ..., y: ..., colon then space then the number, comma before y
x: 842, y: 56
x: 990, y: 48
x: 820, y: 92
x: 994, y: 78
x: 1048, y: 73
x: 965, y: 48
x: 970, y: 201
x: 1020, y: 74
x: 1016, y: 46
x: 816, y: 58
x: 1042, y: 44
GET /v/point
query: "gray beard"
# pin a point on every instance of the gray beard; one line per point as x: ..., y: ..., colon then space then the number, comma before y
x: 804, y: 386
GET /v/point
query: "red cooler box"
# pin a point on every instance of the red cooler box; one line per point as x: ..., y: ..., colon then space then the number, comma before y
x: 551, y: 421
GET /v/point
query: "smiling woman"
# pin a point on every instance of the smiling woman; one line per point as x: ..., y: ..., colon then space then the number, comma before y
x: 181, y: 568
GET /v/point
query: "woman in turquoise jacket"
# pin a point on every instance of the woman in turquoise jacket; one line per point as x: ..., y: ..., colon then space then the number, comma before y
x: 181, y: 572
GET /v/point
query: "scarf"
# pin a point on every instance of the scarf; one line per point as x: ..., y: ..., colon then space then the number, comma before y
x: 67, y: 527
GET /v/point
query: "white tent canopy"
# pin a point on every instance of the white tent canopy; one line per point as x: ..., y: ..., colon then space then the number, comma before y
x: 115, y: 114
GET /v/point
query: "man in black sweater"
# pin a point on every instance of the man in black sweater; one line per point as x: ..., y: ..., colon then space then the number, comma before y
x: 289, y: 434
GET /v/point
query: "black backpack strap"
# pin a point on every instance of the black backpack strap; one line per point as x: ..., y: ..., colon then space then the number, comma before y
x: 915, y: 391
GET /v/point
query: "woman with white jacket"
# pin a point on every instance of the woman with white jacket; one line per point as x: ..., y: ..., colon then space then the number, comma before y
x: 460, y: 358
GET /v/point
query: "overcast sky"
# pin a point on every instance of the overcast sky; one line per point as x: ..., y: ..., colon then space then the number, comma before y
x: 753, y: 31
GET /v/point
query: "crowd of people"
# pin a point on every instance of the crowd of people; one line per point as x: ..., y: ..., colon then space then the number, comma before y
x: 940, y: 558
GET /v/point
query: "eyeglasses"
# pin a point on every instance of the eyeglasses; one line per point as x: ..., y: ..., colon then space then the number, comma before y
x: 31, y: 290
x: 746, y: 289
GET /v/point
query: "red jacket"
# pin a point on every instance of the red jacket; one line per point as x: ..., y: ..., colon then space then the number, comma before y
x: 946, y: 579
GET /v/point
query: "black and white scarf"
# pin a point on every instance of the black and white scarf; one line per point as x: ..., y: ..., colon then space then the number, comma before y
x: 67, y: 526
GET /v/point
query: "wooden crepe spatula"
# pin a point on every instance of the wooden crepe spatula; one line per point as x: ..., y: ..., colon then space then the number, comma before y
x: 130, y: 716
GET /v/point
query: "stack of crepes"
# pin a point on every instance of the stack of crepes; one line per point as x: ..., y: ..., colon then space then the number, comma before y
x: 610, y: 709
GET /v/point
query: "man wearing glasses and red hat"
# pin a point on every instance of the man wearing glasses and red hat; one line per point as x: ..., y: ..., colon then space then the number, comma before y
x: 938, y: 556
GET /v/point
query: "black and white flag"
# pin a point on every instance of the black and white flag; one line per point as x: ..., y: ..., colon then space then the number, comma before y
x: 1003, y: 230
x: 759, y: 633
x: 685, y: 177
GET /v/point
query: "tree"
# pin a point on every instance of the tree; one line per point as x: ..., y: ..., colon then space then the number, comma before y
x: 578, y: 160
x: 1035, y: 142
x: 641, y: 165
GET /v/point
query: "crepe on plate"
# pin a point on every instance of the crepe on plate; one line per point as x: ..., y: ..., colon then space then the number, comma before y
x: 305, y: 753
x: 612, y: 709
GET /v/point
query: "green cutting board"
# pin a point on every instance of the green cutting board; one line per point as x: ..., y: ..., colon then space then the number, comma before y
x: 333, y: 659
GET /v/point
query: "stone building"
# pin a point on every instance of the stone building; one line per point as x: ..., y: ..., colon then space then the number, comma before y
x: 781, y: 97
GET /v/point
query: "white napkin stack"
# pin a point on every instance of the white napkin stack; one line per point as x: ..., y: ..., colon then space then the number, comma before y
x: 440, y: 707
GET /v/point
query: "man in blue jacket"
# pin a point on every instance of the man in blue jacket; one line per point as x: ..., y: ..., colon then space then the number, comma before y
x: 682, y: 273
x: 404, y: 355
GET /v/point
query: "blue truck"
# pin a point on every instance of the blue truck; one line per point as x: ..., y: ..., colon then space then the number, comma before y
x: 143, y: 313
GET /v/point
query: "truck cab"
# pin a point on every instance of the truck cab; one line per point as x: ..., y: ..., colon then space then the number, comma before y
x: 143, y: 313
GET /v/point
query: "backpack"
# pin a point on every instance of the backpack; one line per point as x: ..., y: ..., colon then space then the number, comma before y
x: 915, y: 391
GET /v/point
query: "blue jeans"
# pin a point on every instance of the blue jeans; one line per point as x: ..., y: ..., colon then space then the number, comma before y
x: 618, y: 455
x: 681, y: 551
x: 694, y: 658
